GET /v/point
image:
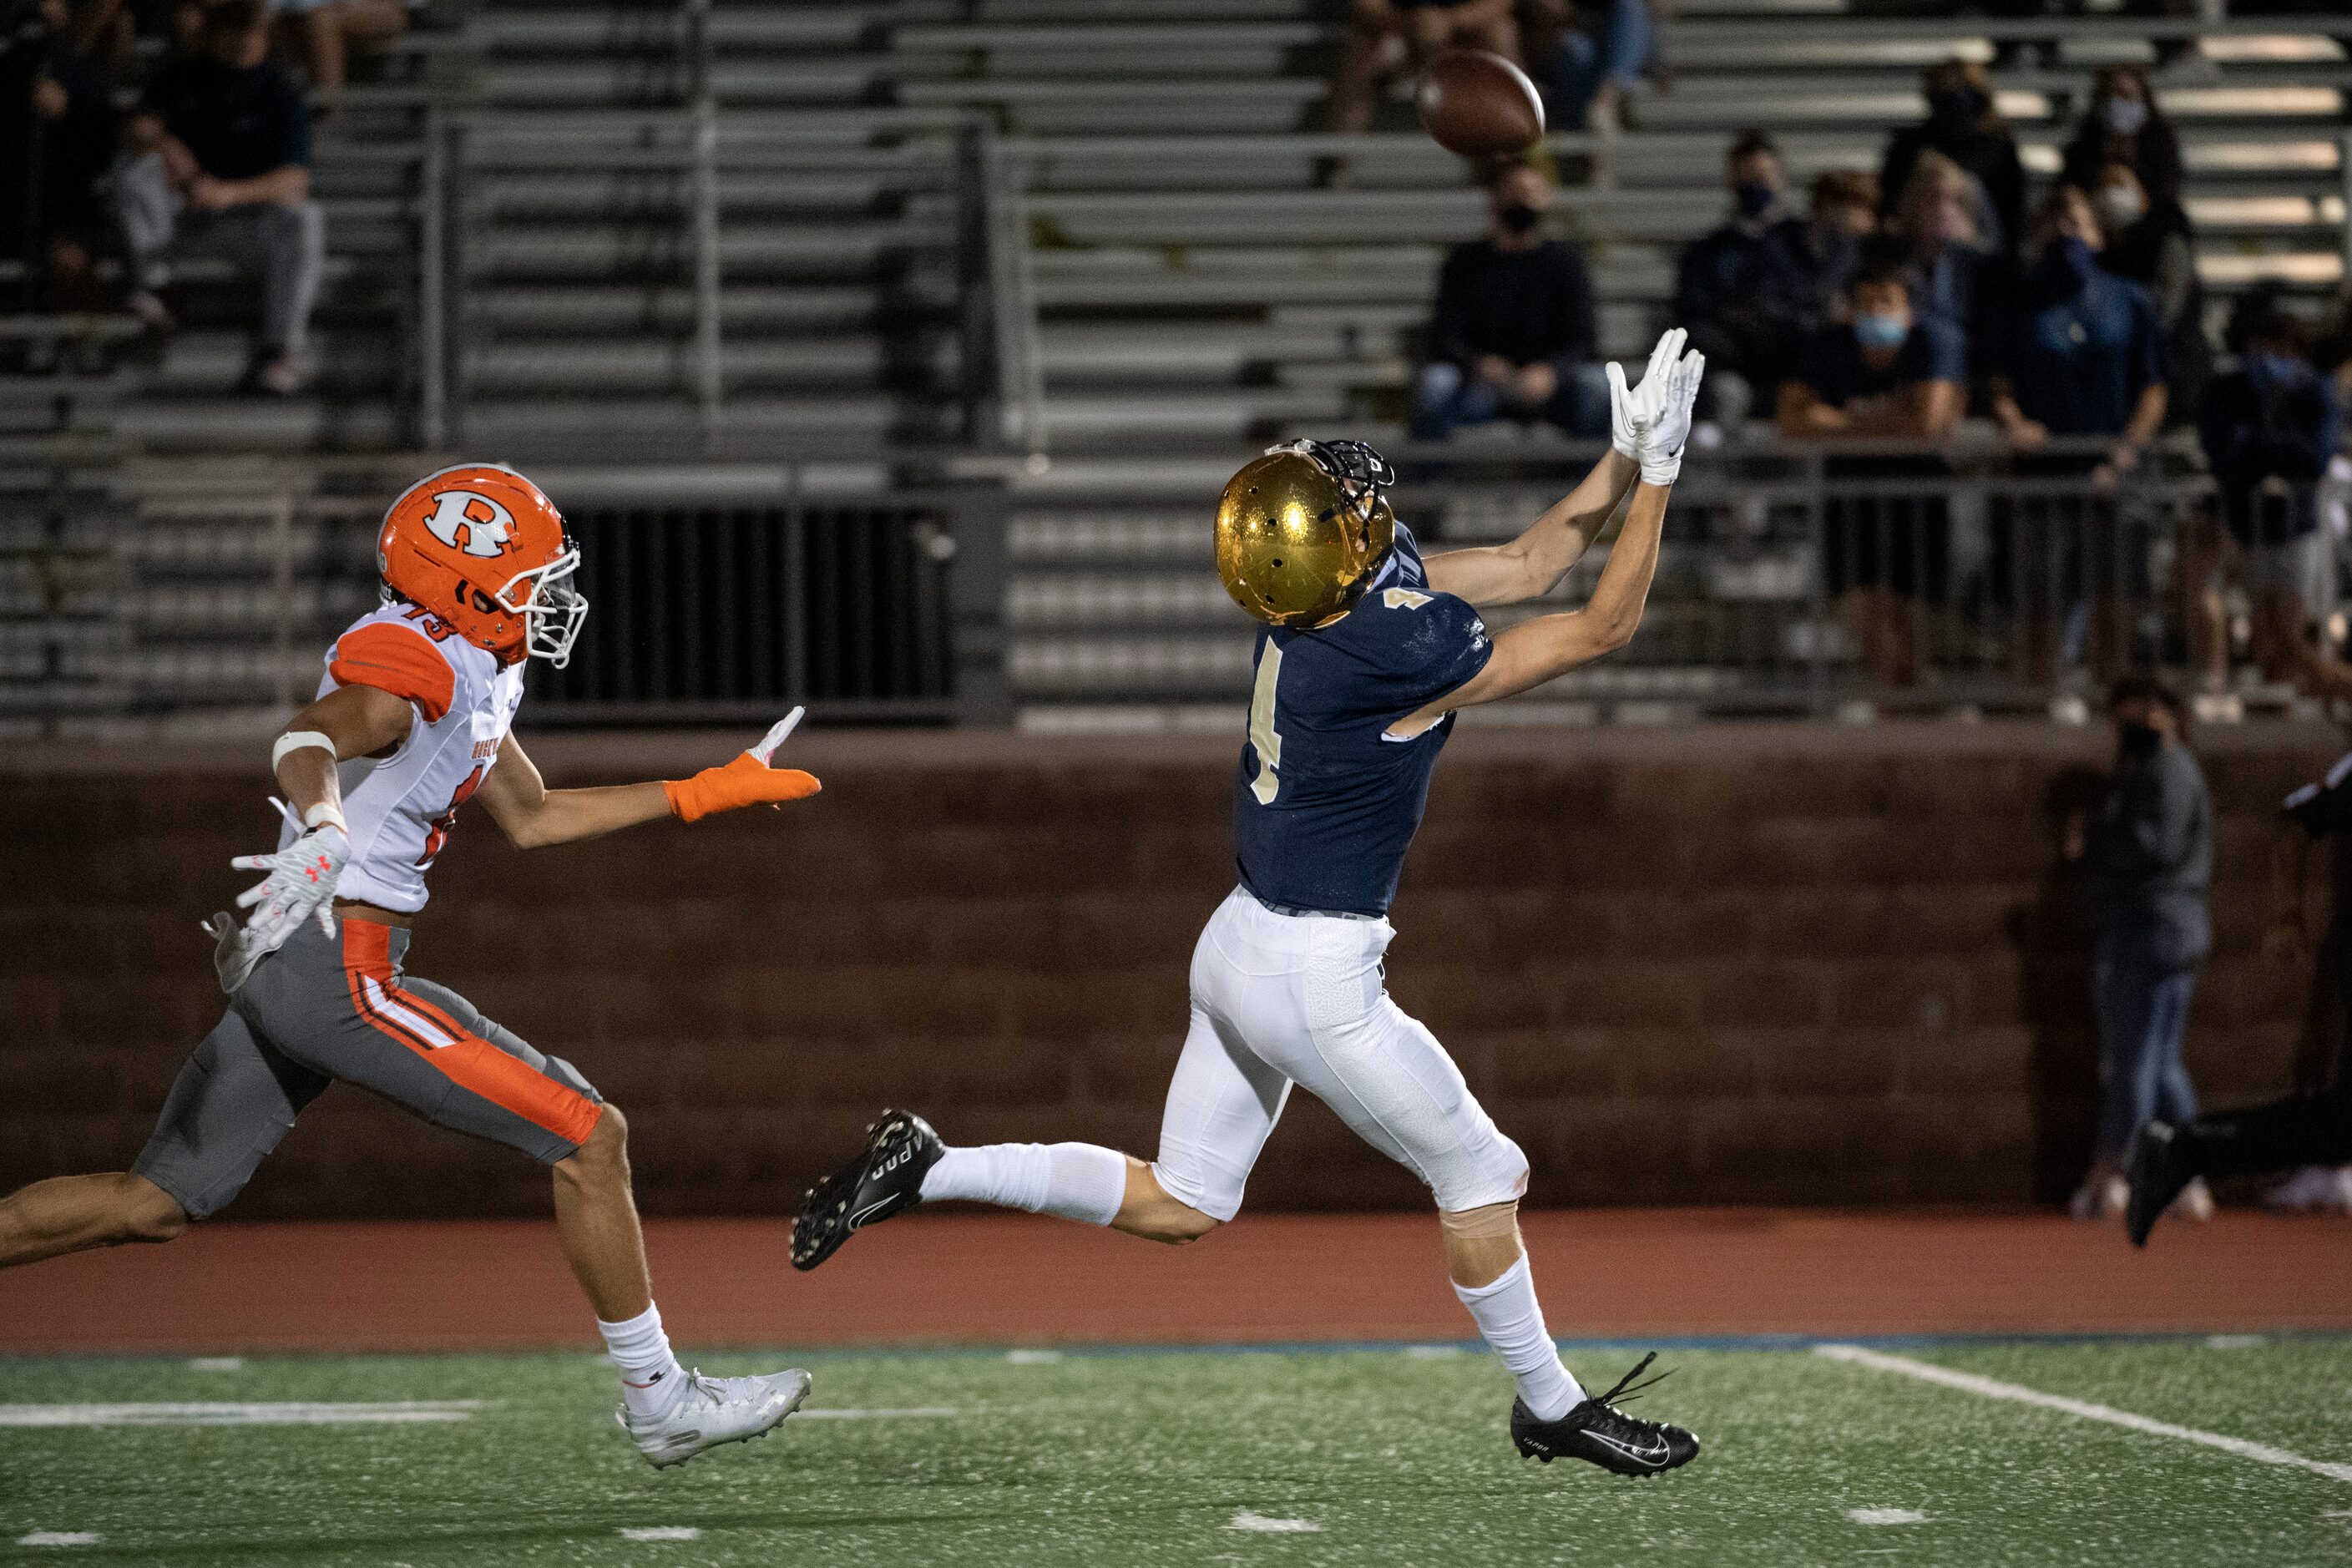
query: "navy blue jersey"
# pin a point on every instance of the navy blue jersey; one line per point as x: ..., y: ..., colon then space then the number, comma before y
x: 1324, y: 807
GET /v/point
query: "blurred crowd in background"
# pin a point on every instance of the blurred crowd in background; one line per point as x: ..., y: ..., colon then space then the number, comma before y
x: 163, y: 131
x: 1892, y: 303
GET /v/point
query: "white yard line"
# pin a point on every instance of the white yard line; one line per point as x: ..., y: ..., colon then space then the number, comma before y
x: 1993, y: 1388
x: 212, y: 1414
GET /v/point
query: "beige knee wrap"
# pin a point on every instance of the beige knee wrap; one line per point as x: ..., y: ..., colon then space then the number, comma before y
x: 1485, y: 1223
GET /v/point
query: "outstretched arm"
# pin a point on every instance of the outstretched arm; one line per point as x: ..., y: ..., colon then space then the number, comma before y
x: 1536, y: 650
x: 1532, y: 564
x: 533, y: 816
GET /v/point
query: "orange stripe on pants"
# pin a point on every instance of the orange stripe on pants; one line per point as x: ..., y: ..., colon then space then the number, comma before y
x: 469, y: 1061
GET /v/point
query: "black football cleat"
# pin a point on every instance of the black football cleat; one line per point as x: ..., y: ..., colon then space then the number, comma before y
x: 2163, y: 1160
x: 887, y: 1179
x: 1599, y: 1433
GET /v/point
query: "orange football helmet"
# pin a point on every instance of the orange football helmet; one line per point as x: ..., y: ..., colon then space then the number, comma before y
x: 480, y: 547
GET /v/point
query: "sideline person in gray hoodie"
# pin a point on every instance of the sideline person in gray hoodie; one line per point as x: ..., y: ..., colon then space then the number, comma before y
x: 2149, y: 852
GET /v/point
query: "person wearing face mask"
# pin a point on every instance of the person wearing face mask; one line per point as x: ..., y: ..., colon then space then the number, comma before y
x: 2149, y: 852
x: 1739, y: 291
x: 1963, y: 125
x: 2124, y: 125
x: 2269, y: 429
x: 2080, y: 355
x: 2153, y: 244
x: 1882, y: 374
x: 1515, y: 327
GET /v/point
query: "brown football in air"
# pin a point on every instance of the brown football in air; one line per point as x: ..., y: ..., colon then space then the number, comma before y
x: 1479, y: 104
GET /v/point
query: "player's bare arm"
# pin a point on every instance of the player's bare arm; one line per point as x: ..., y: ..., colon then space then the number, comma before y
x: 1533, y: 565
x: 1548, y: 646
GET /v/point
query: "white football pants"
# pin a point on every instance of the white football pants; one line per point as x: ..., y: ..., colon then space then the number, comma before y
x: 1284, y: 999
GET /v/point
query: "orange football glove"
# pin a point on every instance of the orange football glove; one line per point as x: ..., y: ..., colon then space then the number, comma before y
x: 746, y: 781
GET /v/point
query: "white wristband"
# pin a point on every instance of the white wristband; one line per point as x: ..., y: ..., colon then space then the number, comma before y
x: 299, y: 740
x: 325, y: 811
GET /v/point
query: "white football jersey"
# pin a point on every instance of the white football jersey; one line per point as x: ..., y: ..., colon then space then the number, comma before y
x: 462, y: 703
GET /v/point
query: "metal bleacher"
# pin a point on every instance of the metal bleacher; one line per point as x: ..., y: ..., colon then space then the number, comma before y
x: 1077, y: 247
x: 1195, y: 291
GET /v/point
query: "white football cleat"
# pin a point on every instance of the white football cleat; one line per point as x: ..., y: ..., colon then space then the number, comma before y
x: 2314, y: 1189
x: 709, y: 1411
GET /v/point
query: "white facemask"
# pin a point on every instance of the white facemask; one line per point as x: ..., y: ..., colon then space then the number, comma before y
x: 2125, y: 115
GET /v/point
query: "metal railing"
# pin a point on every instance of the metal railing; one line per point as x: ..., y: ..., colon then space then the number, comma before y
x: 1814, y: 578
x: 193, y: 598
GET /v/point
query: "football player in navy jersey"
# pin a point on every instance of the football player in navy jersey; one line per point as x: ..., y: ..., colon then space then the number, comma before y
x: 1365, y: 653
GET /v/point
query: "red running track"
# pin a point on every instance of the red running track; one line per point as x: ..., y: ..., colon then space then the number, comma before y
x: 1014, y: 1280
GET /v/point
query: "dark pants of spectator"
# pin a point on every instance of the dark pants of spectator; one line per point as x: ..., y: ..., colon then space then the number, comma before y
x: 1903, y: 543
x: 2068, y: 564
x: 2142, y: 1000
x: 285, y: 245
x: 1447, y: 398
x: 1619, y: 52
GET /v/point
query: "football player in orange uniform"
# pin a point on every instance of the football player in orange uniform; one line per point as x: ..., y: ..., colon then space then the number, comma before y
x: 411, y: 722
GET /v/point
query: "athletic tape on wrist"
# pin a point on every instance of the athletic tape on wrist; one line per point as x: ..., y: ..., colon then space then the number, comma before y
x: 325, y: 811
x: 299, y: 740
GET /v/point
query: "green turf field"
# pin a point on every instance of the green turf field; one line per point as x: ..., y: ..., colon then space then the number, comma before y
x: 1380, y: 1455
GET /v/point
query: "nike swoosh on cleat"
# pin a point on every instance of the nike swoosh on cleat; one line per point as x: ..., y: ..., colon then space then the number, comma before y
x: 868, y: 1212
x: 1657, y: 1455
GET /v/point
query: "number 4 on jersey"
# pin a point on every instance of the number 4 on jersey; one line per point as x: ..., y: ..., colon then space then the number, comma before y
x: 1264, y: 737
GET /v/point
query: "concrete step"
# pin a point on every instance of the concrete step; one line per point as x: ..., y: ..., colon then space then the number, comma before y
x: 591, y: 311
x: 846, y: 365
x: 606, y: 252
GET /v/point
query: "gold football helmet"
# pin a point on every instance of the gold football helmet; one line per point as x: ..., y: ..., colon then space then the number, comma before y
x: 1301, y: 531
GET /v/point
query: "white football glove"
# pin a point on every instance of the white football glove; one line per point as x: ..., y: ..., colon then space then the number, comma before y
x: 300, y: 887
x: 1663, y: 438
x: 1629, y: 412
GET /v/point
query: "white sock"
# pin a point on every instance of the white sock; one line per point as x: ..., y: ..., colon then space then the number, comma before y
x: 651, y: 1378
x: 1512, y: 1322
x: 1077, y: 1181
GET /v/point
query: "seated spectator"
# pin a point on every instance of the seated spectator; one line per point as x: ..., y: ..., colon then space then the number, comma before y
x: 56, y: 141
x: 1822, y: 249
x: 1515, y: 331
x: 1964, y: 125
x: 1935, y: 227
x: 217, y: 163
x: 1386, y: 37
x: 2270, y: 427
x: 1604, y: 50
x: 2125, y: 125
x: 2153, y: 244
x: 327, y: 30
x: 1737, y: 291
x: 2077, y: 353
x: 1884, y: 373
x: 1752, y: 291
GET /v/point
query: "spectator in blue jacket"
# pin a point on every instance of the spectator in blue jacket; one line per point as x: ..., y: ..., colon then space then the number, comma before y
x: 1738, y: 290
x: 2270, y: 428
x: 1516, y: 326
x: 2079, y: 353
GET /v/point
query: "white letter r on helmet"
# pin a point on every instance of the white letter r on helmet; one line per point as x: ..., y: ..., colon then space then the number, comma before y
x: 469, y: 520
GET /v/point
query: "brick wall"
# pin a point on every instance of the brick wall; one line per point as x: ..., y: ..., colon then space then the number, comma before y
x: 1743, y: 964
